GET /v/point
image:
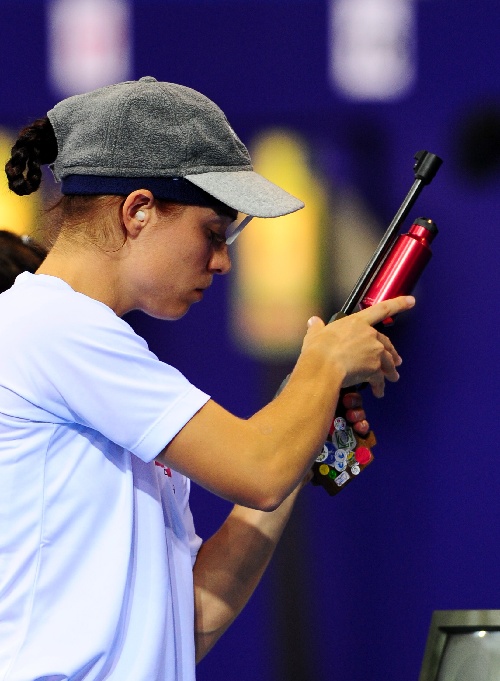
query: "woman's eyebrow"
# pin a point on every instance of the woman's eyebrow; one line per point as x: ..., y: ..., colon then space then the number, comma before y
x: 230, y: 213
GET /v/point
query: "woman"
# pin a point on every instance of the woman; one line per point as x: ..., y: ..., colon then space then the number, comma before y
x: 99, y: 554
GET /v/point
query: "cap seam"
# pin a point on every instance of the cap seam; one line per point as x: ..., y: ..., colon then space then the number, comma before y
x: 164, y: 89
x: 123, y: 104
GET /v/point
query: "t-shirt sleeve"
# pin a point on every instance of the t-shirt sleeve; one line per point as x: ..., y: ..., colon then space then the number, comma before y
x: 99, y: 373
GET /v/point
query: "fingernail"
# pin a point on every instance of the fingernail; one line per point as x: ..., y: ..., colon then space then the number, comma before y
x: 410, y: 300
x: 310, y: 321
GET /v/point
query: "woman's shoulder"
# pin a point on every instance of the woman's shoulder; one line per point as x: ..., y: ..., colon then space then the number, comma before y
x: 44, y: 306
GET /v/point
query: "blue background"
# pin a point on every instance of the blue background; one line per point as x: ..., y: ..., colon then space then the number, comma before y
x: 351, y: 590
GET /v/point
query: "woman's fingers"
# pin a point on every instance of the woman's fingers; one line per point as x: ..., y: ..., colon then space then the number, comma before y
x: 387, y: 308
x: 361, y: 427
x: 389, y: 360
x: 356, y: 347
x: 355, y: 413
x: 352, y: 400
x: 377, y: 382
x: 389, y: 347
x: 388, y: 367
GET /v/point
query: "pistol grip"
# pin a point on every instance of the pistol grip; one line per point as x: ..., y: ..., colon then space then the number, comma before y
x: 344, y: 455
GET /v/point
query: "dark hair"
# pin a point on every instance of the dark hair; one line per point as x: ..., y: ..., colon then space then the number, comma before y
x: 17, y: 254
x: 35, y: 146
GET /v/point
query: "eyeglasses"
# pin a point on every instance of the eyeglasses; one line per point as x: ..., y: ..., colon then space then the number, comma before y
x: 235, y: 229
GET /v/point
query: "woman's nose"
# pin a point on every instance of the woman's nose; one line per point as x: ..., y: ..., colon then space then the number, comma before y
x: 220, y: 261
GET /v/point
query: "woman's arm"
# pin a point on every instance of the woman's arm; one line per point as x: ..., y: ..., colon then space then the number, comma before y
x: 229, y: 567
x: 259, y: 461
x: 230, y: 564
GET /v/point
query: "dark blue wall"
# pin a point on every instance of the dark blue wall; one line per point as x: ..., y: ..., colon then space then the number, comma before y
x: 351, y: 591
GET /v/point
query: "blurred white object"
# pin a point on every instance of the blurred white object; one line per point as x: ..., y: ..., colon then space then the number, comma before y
x: 89, y: 44
x: 372, y: 48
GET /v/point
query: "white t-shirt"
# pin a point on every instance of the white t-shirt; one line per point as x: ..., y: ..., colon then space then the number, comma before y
x: 97, y: 541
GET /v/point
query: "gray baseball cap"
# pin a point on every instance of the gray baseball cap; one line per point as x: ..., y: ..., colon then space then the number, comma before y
x: 151, y: 129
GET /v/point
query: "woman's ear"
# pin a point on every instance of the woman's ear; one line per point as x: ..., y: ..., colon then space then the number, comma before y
x: 137, y: 211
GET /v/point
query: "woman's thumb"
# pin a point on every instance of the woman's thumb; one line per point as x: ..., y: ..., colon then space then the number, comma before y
x: 315, y: 322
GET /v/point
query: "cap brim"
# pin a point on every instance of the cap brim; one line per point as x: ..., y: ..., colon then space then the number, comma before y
x: 247, y: 192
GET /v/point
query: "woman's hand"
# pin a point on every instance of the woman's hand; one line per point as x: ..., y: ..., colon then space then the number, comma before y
x: 354, y: 347
x: 355, y: 413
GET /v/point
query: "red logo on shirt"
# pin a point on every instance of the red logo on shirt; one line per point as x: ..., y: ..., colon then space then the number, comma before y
x: 166, y: 470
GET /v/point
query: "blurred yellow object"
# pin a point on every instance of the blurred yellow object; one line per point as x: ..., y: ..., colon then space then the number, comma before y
x: 277, y: 272
x: 17, y: 213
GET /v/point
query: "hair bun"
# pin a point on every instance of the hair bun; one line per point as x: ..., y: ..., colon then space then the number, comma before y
x: 35, y: 146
